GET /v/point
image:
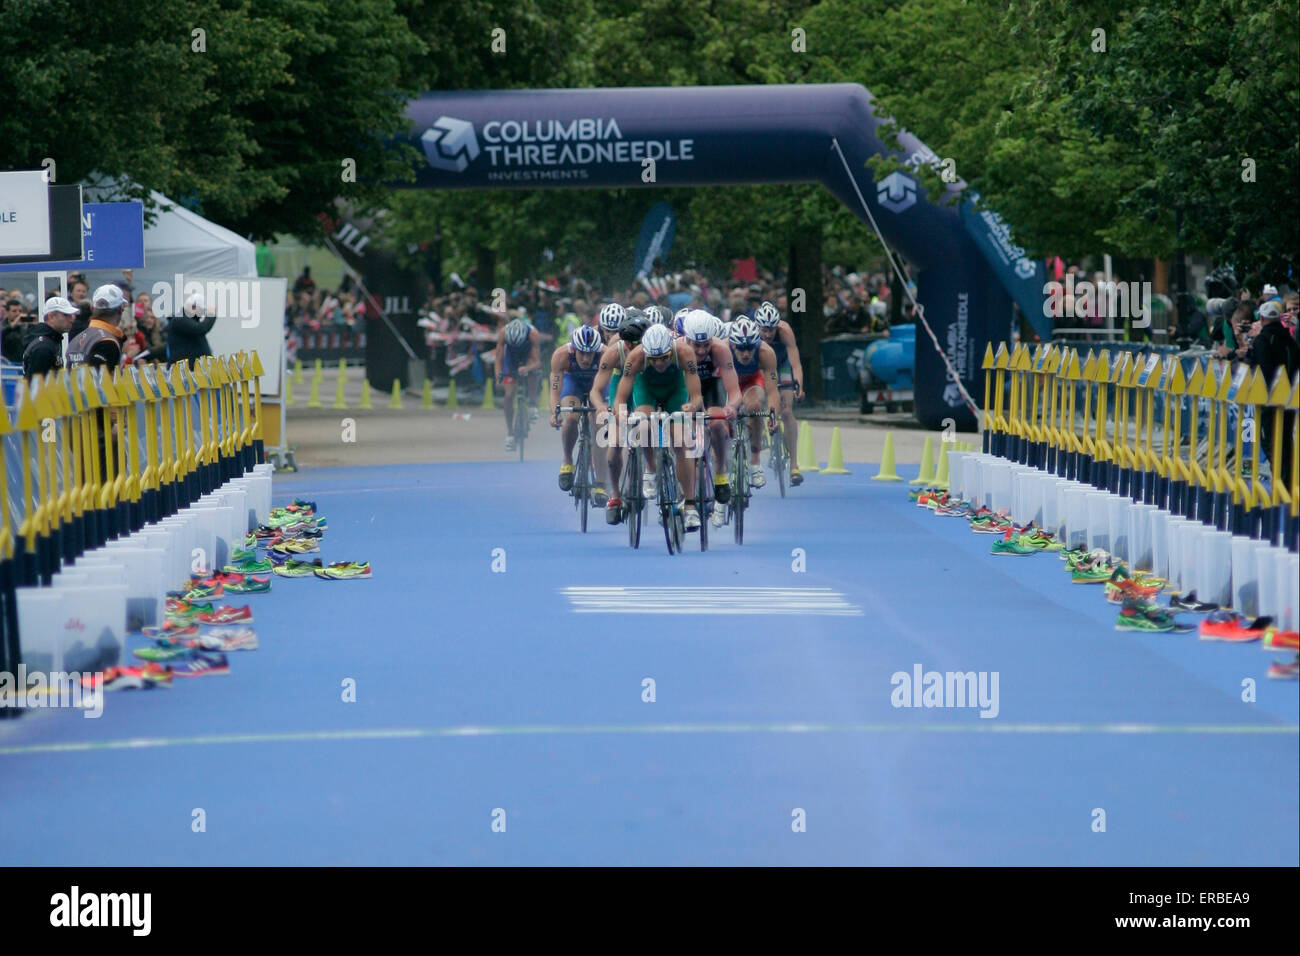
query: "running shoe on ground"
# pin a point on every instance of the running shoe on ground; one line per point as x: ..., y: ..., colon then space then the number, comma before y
x: 1092, y: 573
x: 297, y: 546
x: 1120, y: 589
x: 131, y: 678
x: 345, y: 571
x: 170, y: 631
x: 692, y: 518
x: 1284, y: 670
x: 1232, y: 628
x: 203, y: 664
x: 757, y: 477
x: 202, y: 593
x: 243, y: 556
x: 1275, y: 640
x: 1190, y: 603
x: 169, y: 653
x: 297, y: 569
x: 1135, y: 618
x: 227, y: 639
x: 227, y: 615
x: 249, y: 567
x: 721, y: 489
x: 796, y: 476
x: 182, y: 607
x: 1010, y: 544
x: 252, y: 584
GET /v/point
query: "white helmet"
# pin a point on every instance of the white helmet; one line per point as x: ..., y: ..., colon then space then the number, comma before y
x: 657, y: 341
x: 697, y: 327
x: 612, y: 316
x: 744, y: 334
x: 517, y: 332
x: 767, y: 316
x: 719, y: 328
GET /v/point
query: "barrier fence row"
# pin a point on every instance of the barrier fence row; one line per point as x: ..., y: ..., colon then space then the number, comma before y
x: 91, y: 454
x: 1185, y: 433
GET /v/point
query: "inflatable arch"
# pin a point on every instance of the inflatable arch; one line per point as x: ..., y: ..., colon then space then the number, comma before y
x: 966, y: 269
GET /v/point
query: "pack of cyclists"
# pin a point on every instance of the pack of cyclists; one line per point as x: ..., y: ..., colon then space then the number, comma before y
x: 647, y: 361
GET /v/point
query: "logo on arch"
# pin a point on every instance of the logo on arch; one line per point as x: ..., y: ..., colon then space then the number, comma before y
x: 450, y: 144
x: 1025, y: 267
x: 896, y: 192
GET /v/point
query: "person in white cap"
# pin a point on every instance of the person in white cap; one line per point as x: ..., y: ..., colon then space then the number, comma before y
x: 44, y: 351
x: 101, y: 342
x: 187, y: 333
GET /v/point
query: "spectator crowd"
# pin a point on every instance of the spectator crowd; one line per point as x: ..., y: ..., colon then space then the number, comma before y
x: 30, y: 334
x: 460, y: 325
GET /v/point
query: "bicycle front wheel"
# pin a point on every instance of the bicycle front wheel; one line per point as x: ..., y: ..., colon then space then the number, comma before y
x: 632, y: 498
x: 668, y: 502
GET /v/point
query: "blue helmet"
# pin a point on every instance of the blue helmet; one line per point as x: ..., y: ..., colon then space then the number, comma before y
x: 586, y: 339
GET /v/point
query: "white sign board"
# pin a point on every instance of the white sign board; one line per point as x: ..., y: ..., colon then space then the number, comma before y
x: 24, y: 214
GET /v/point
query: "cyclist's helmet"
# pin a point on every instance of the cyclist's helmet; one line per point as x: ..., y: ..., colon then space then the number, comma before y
x: 767, y: 315
x: 719, y: 328
x: 657, y: 341
x: 634, y: 326
x: 745, y: 334
x: 658, y: 315
x: 697, y: 327
x: 612, y: 316
x: 680, y: 314
x: 516, y: 332
x: 586, y: 339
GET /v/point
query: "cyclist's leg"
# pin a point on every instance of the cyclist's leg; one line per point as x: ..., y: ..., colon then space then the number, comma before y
x: 785, y: 386
x: 568, y: 421
x: 508, y: 386
x: 755, y: 400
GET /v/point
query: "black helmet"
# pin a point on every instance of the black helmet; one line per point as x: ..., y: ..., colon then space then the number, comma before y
x: 634, y: 326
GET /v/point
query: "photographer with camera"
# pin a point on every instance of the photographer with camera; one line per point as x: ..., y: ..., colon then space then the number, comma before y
x: 187, y: 333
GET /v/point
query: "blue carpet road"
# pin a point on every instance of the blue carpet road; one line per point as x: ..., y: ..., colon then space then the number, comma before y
x: 480, y: 691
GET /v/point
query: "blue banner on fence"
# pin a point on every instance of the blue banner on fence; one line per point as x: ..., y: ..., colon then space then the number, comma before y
x: 657, y: 232
x: 113, y: 233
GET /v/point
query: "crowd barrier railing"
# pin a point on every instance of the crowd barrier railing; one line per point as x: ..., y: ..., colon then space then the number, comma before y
x: 119, y: 484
